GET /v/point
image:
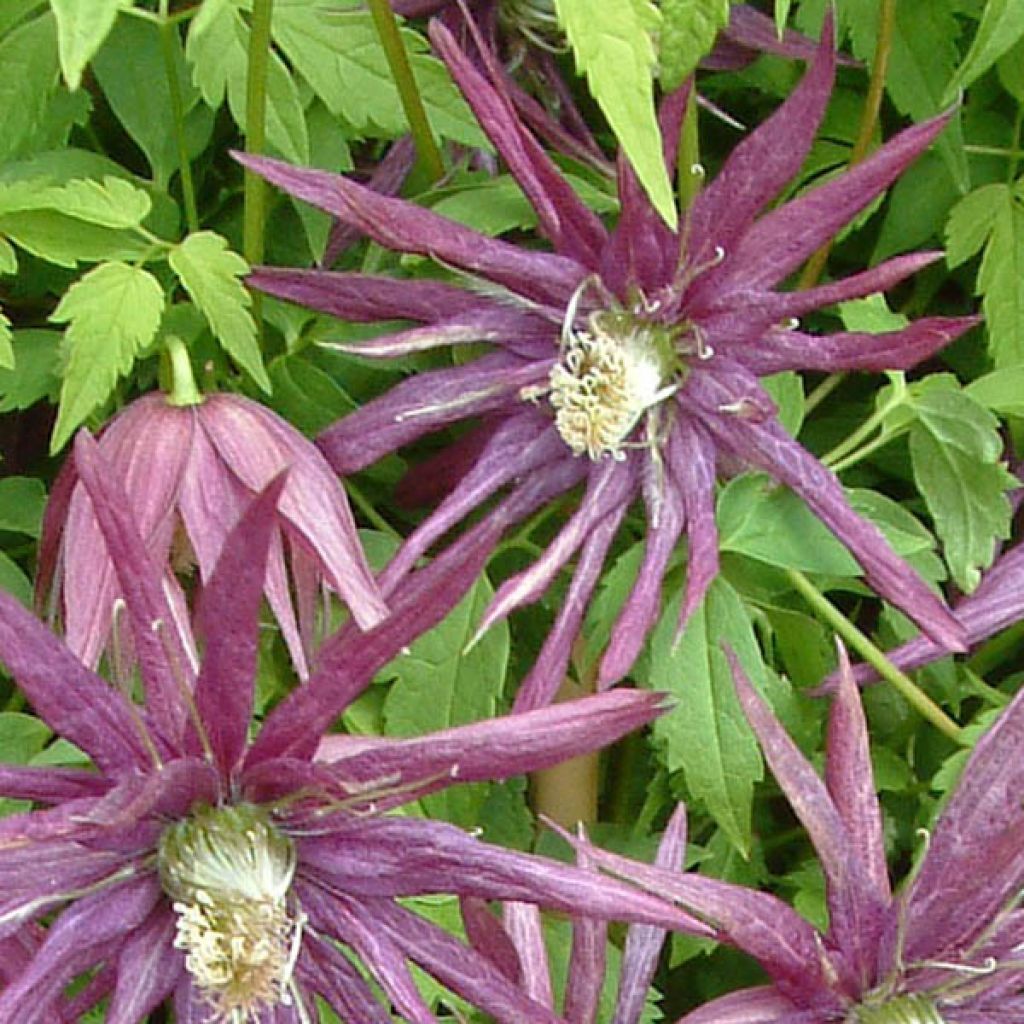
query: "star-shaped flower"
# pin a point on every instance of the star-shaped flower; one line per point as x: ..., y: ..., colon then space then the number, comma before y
x: 946, y: 950
x: 195, y: 866
x: 626, y: 361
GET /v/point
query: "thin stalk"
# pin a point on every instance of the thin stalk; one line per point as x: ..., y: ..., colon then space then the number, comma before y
x: 168, y: 37
x: 255, y: 194
x: 868, y: 119
x: 862, y: 453
x: 860, y: 642
x: 1015, y: 153
x: 408, y: 91
x: 182, y: 389
x: 823, y: 390
x: 1010, y: 154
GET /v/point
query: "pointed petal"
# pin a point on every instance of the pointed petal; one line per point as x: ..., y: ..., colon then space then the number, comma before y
x: 851, y: 781
x: 49, y: 785
x: 643, y: 941
x: 523, y: 923
x: 586, y: 962
x: 48, y: 556
x: 425, y: 403
x: 256, y: 444
x: 541, y: 684
x: 756, y: 32
x: 780, y: 349
x: 767, y: 446
x: 164, y: 660
x: 572, y: 227
x: 760, y: 167
x: 323, y: 968
x: 781, y: 240
x: 855, y: 907
x: 73, y: 701
x: 762, y: 1005
x: 404, y: 227
x: 148, y: 969
x: 365, y: 298
x: 229, y: 618
x: 489, y: 938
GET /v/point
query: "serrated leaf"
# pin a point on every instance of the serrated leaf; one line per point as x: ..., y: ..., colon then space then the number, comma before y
x: 1002, y: 24
x: 954, y: 450
x: 34, y: 377
x: 112, y: 312
x: 1001, y: 283
x: 871, y: 314
x: 22, y: 499
x: 28, y: 59
x: 6, y: 343
x: 688, y: 32
x: 217, y: 50
x: 706, y: 736
x: 1002, y: 391
x: 613, y: 49
x: 82, y: 25
x: 971, y: 221
x: 438, y: 686
x: 210, y: 272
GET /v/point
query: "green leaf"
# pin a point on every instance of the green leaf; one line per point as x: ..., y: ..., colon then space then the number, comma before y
x: 971, y: 221
x: 787, y: 392
x: 34, y: 377
x: 1002, y: 392
x: 28, y: 75
x: 954, y: 449
x: 1010, y: 70
x: 21, y: 737
x: 871, y: 314
x: 132, y: 52
x: 217, y: 50
x: 210, y: 272
x: 706, y: 736
x: 613, y: 47
x: 6, y: 343
x: 688, y: 32
x: 781, y: 15
x: 1001, y: 283
x: 339, y: 54
x: 22, y: 499
x: 14, y: 580
x: 8, y: 257
x: 1002, y: 24
x: 113, y: 312
x: 112, y: 202
x: 437, y: 686
x: 82, y: 25
x: 306, y: 396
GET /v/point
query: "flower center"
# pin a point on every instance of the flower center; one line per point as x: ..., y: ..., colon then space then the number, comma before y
x: 912, y: 1008
x: 608, y: 376
x: 228, y: 871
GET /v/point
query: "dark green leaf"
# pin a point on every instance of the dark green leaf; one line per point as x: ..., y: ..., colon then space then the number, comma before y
x: 28, y: 74
x: 1002, y: 24
x: 36, y: 359
x: 22, y: 499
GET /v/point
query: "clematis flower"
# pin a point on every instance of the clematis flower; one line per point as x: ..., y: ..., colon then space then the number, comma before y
x: 194, y: 866
x: 625, y: 361
x: 516, y: 946
x: 187, y: 471
x: 944, y: 951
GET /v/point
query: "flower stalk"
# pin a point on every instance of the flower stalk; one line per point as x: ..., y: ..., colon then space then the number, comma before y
x: 183, y: 388
x: 188, y: 191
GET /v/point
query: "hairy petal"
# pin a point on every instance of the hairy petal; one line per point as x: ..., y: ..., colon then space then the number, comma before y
x: 524, y: 925
x: 148, y: 968
x: 751, y: 1006
x: 326, y: 970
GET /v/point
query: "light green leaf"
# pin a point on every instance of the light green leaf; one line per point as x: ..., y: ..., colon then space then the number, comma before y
x: 706, y: 736
x: 8, y: 258
x: 954, y: 449
x: 613, y: 47
x: 971, y: 221
x: 437, y: 686
x: 210, y: 272
x: 22, y: 499
x: 1002, y: 391
x: 82, y: 25
x: 781, y: 15
x: 1010, y: 70
x: 688, y: 32
x: 112, y: 312
x: 6, y: 343
x: 112, y: 202
x: 217, y: 50
x: 871, y: 314
x: 21, y: 737
x: 28, y: 62
x: 1002, y: 24
x: 14, y: 580
x: 36, y: 357
x: 1001, y: 283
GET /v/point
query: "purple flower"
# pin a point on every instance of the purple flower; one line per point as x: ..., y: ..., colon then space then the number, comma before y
x: 625, y: 361
x: 187, y: 471
x: 516, y: 946
x: 194, y: 865
x: 946, y: 949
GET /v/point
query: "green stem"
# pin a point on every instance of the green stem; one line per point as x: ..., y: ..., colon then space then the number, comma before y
x: 168, y: 37
x: 183, y: 389
x: 255, y: 194
x: 363, y: 503
x: 868, y: 119
x: 823, y: 390
x: 1015, y: 153
x: 1010, y: 154
x: 859, y: 641
x: 408, y: 92
x: 874, y: 422
x: 862, y: 453
x: 691, y: 171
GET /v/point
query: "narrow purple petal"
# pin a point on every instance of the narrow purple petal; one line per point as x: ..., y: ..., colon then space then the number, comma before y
x: 404, y: 227
x: 523, y: 923
x: 489, y: 938
x: 643, y: 941
x: 229, y: 618
x: 756, y: 33
x: 856, y: 908
x: 541, y: 683
x: 780, y: 349
x: 571, y: 226
x: 73, y: 701
x: 760, y: 167
x: 767, y: 446
x: 365, y: 298
x: 49, y: 785
x: 851, y: 781
x: 164, y: 661
x: 148, y: 968
x: 586, y: 962
x: 325, y: 969
x: 424, y: 403
x: 751, y: 1006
